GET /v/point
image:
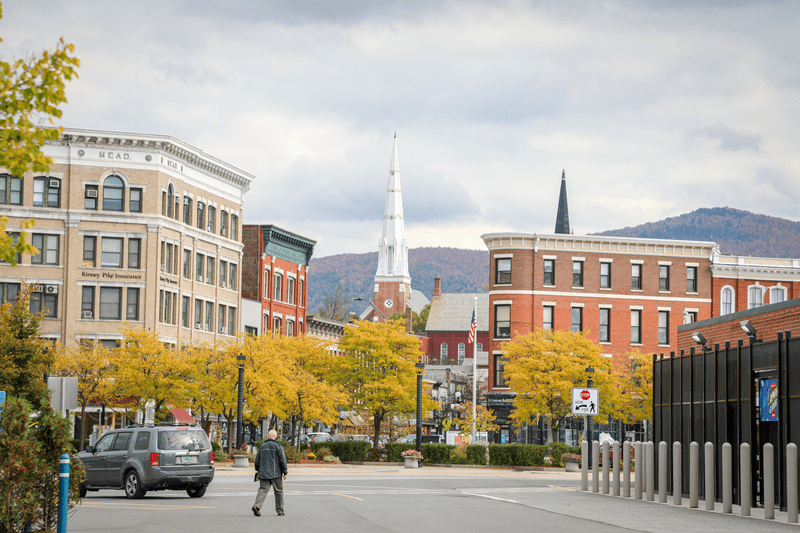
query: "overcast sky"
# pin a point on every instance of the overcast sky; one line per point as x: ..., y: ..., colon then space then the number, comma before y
x: 653, y: 108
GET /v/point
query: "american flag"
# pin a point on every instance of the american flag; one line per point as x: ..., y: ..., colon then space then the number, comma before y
x: 472, y: 327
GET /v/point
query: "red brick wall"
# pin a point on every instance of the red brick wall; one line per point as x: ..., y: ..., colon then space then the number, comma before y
x: 740, y: 286
x: 251, y: 260
x: 452, y: 338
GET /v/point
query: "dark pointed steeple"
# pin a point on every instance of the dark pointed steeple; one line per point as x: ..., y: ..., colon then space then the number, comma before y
x: 562, y: 218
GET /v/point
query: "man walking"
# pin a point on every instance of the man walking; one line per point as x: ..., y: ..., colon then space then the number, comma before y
x: 271, y: 470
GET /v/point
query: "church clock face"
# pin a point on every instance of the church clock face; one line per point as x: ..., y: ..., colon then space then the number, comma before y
x: 388, y: 303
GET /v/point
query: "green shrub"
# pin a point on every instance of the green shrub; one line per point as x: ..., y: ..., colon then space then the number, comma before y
x: 322, y: 452
x: 216, y: 448
x: 292, y: 455
x: 220, y: 456
x: 436, y: 453
x: 476, y: 454
x: 331, y: 459
x: 458, y: 455
x: 516, y: 454
x: 394, y: 449
x: 376, y: 455
x: 558, y: 449
x: 76, y: 442
x: 350, y: 450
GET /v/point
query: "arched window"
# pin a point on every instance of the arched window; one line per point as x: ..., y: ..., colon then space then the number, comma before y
x: 726, y: 301
x: 461, y: 352
x: 480, y: 347
x: 170, y: 201
x: 755, y: 296
x: 443, y: 350
x: 777, y: 294
x: 113, y: 193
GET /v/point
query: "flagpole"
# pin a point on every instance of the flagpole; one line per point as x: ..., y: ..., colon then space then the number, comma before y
x: 475, y: 375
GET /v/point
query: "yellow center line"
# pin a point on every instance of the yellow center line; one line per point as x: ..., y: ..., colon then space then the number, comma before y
x: 347, y: 496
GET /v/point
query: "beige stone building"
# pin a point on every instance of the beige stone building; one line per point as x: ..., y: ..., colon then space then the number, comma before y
x: 132, y: 228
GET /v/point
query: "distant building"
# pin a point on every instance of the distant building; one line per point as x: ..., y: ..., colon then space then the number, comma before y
x: 275, y: 273
x: 448, y: 326
x: 132, y: 228
x: 328, y: 330
x: 741, y: 283
x: 392, y: 290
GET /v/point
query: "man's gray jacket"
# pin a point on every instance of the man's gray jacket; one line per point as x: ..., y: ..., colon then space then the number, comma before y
x: 271, y: 460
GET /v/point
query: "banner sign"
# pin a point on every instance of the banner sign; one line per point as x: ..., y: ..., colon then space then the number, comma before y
x: 768, y: 400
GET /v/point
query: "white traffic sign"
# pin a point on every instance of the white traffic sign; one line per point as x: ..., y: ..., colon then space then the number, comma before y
x: 585, y: 401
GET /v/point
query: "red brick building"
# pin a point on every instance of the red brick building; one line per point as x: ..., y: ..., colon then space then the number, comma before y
x: 741, y: 283
x: 275, y: 272
x: 448, y: 326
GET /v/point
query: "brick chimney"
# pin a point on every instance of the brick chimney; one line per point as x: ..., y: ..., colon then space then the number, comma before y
x: 437, y: 287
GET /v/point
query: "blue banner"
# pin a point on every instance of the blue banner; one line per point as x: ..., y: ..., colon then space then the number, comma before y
x: 768, y: 400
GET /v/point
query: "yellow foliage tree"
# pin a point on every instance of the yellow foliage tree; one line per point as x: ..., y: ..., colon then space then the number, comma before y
x: 148, y: 371
x: 636, y: 380
x: 542, y: 368
x: 484, y: 419
x: 216, y: 380
x: 92, y: 365
x: 268, y: 387
x: 378, y: 371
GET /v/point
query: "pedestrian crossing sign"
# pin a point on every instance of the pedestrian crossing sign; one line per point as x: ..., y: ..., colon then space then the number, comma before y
x: 585, y: 401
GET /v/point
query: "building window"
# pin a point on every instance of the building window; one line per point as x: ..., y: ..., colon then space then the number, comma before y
x: 10, y: 190
x: 187, y: 264
x: 605, y: 275
x: 167, y: 307
x: 111, y: 255
x: 210, y: 270
x: 691, y: 279
x: 199, y: 262
x: 499, y: 377
x: 135, y: 203
x: 234, y: 227
x: 480, y: 347
x: 187, y: 210
x: 198, y: 314
x: 636, y: 277
x: 44, y: 303
x: 577, y: 319
x: 170, y: 201
x: 132, y: 304
x: 113, y: 193
x: 110, y: 303
x: 251, y: 330
x: 691, y: 316
x: 46, y: 192
x: 134, y: 253
x: 663, y: 327
x: 87, y: 302
x: 502, y: 321
x: 212, y: 218
x: 502, y: 271
x: 232, y: 268
x: 577, y: 273
x: 89, y: 251
x: 221, y: 318
x: 277, y: 288
x: 223, y: 273
x: 636, y: 326
x: 113, y: 344
x: 223, y: 223
x: 290, y: 290
x: 755, y: 296
x: 48, y: 249
x: 547, y: 317
x: 8, y: 292
x: 276, y: 325
x: 90, y: 198
x: 201, y: 215
x: 266, y: 284
x: 232, y: 321
x: 777, y: 295
x: 663, y: 277
x: 209, y: 316
x: 185, y: 302
x: 549, y: 272
x: 290, y: 328
x: 727, y: 301
x: 443, y: 350
x: 300, y: 294
x: 605, y: 325
x: 462, y: 352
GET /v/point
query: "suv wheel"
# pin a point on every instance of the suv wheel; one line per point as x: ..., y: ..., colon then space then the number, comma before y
x: 196, y: 492
x: 133, y: 487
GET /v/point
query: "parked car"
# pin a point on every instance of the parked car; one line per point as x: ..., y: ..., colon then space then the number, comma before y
x: 146, y: 457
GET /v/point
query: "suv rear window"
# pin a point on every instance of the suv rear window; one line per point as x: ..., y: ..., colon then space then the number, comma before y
x: 192, y: 439
x: 142, y: 441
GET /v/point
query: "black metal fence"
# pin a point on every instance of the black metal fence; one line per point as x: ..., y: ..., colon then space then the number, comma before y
x: 714, y: 396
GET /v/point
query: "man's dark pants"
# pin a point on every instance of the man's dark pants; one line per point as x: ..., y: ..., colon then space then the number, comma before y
x: 263, y: 490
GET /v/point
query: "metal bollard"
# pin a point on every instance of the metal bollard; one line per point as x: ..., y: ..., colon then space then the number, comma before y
x: 606, y: 468
x: 744, y: 478
x: 769, y: 481
x: 791, y: 482
x: 694, y: 474
x: 638, y: 465
x: 677, y: 464
x: 650, y: 470
x: 727, y: 475
x: 615, y: 467
x: 595, y: 466
x: 709, y: 460
x: 662, y: 472
x: 63, y: 493
x: 584, y: 466
x: 626, y: 469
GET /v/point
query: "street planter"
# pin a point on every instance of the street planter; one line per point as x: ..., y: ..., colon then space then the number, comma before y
x: 241, y: 461
x: 572, y: 466
x: 411, y: 462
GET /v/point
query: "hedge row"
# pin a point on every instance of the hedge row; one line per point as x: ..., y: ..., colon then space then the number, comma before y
x: 346, y: 450
x: 499, y: 454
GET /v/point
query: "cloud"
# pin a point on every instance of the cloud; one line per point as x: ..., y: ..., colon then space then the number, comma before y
x: 727, y: 138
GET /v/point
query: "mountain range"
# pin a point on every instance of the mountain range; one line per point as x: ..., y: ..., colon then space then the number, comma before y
x: 736, y: 231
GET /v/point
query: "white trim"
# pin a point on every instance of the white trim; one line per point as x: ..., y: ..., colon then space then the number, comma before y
x: 697, y: 265
x: 548, y: 304
x: 637, y: 308
x: 605, y: 306
x: 637, y: 261
x: 596, y: 295
x: 606, y: 260
x: 503, y: 302
x: 573, y: 304
x: 502, y: 256
x: 692, y: 309
x: 579, y: 259
x: 665, y: 309
x: 553, y: 257
x: 665, y: 263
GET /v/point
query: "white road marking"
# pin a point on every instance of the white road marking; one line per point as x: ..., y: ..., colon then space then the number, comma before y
x: 489, y: 497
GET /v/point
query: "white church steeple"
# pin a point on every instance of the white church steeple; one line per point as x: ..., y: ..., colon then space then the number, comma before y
x: 393, y: 247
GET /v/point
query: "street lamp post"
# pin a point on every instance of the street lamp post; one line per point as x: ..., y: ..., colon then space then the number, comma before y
x: 589, y: 423
x: 420, y: 366
x: 240, y: 403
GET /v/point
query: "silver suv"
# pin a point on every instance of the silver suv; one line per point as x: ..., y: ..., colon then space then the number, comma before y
x: 146, y: 457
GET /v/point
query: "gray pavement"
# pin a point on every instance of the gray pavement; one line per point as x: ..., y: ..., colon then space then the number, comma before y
x: 391, y: 498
